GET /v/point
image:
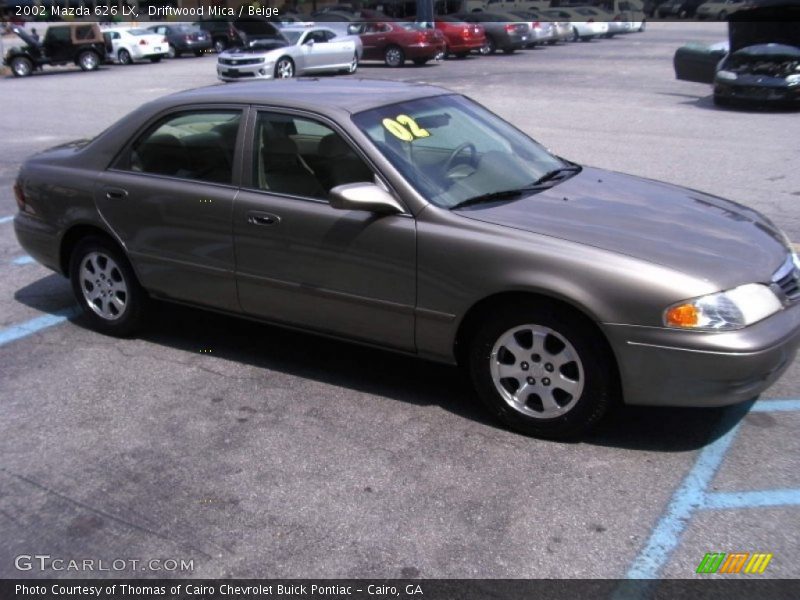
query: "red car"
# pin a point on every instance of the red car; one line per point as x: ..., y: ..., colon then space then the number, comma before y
x: 395, y: 41
x: 461, y: 37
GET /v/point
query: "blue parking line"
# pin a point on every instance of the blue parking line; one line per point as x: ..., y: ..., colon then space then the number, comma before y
x: 776, y: 405
x: 6, y: 219
x: 756, y: 499
x: 688, y: 497
x: 16, y: 332
x: 22, y: 260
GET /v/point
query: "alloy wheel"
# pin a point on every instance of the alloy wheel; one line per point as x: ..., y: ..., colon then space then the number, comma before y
x: 537, y: 371
x: 21, y: 67
x: 284, y: 69
x: 103, y: 286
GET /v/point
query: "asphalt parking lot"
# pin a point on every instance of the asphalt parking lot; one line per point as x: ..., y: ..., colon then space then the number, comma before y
x: 257, y: 452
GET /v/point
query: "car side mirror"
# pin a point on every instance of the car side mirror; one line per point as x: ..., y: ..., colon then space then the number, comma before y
x: 364, y: 196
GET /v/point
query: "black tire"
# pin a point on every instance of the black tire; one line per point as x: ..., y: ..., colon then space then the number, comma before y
x: 722, y: 102
x: 509, y: 50
x: 491, y: 45
x: 21, y: 66
x: 172, y: 52
x: 134, y: 299
x: 420, y: 61
x: 394, y: 56
x: 124, y: 57
x: 593, y: 370
x: 155, y: 59
x: 88, y: 60
x: 284, y: 68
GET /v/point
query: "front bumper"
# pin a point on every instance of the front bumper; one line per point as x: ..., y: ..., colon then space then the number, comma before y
x: 752, y: 89
x: 666, y: 367
x: 262, y: 70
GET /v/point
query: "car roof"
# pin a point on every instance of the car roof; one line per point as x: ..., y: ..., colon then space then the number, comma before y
x: 349, y: 94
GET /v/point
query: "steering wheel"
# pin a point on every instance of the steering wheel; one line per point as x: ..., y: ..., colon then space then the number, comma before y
x: 473, y: 155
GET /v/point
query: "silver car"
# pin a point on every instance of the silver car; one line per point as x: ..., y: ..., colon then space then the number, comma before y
x: 411, y: 218
x: 306, y: 50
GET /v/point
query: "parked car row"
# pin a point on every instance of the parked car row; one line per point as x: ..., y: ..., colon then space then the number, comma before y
x: 255, y: 48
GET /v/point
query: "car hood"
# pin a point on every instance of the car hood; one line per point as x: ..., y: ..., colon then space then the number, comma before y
x: 772, y: 23
x: 262, y: 48
x: 769, y: 51
x: 26, y: 37
x: 705, y: 236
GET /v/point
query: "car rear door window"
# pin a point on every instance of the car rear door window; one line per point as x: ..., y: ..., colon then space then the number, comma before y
x: 302, y: 157
x: 198, y: 145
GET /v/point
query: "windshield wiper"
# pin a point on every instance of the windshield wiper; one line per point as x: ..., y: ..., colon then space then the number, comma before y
x: 550, y: 175
x: 501, y: 195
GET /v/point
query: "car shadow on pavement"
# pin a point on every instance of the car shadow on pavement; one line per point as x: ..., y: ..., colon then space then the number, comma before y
x: 379, y: 372
x: 707, y: 103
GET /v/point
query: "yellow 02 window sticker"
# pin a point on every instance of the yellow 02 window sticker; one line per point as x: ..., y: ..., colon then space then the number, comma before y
x: 405, y: 128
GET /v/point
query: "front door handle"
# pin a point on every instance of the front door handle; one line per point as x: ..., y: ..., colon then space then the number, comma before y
x: 262, y: 218
x: 116, y: 193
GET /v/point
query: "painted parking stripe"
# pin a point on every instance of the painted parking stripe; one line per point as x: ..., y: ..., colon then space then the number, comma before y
x: 776, y: 406
x: 754, y: 499
x: 22, y: 260
x: 16, y: 332
x: 6, y: 219
x: 688, y: 497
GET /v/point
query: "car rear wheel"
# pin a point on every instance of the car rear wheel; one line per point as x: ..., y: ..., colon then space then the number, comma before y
x: 124, y: 57
x: 541, y: 371
x: 88, y: 61
x: 21, y: 66
x: 490, y: 47
x: 394, y: 56
x: 106, y: 287
x: 172, y: 52
x: 284, y: 68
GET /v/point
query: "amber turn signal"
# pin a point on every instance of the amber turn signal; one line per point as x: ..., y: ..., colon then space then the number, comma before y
x: 684, y: 315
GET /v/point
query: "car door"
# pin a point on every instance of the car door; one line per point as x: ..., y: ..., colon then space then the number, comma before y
x: 340, y: 51
x: 374, y: 40
x: 169, y: 197
x: 58, y: 44
x: 302, y: 262
x: 315, y: 50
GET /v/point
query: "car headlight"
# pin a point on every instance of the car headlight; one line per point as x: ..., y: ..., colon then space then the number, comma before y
x: 723, y: 311
x: 793, y: 79
x: 727, y: 75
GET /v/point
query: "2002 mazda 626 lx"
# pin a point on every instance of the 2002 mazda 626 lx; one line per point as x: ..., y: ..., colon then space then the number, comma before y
x: 412, y: 218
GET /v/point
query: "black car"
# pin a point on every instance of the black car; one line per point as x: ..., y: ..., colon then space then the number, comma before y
x: 232, y: 33
x: 682, y: 9
x: 79, y: 43
x: 503, y: 31
x: 758, y: 65
x: 184, y: 39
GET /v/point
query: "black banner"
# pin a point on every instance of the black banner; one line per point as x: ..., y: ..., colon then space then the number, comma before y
x: 713, y: 588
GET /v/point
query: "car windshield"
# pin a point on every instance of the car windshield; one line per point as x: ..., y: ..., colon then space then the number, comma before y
x: 292, y: 36
x: 451, y: 149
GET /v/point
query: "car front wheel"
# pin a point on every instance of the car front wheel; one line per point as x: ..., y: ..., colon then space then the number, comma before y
x: 541, y: 371
x: 21, y: 66
x: 394, y: 56
x: 284, y: 68
x: 106, y: 287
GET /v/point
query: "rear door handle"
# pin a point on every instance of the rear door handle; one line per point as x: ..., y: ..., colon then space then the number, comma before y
x: 116, y: 193
x: 262, y: 218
